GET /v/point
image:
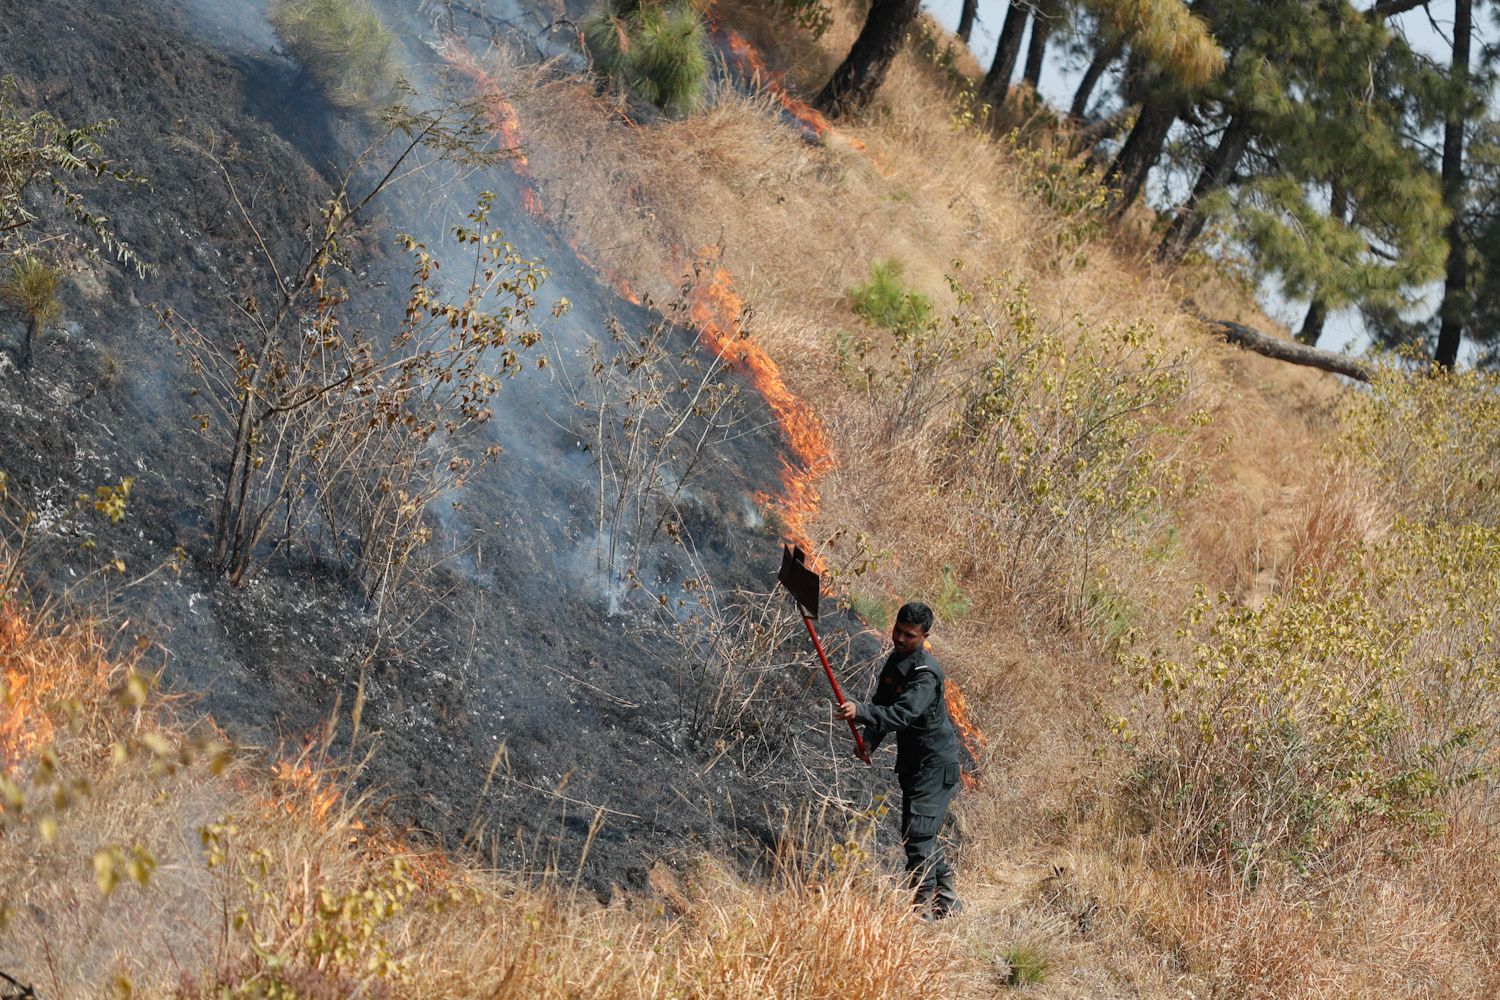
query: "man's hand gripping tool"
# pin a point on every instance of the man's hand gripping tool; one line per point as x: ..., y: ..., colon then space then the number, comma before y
x: 802, y: 584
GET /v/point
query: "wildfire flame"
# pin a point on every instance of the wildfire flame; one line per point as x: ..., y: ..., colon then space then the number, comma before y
x: 753, y: 69
x: 716, y: 309
x: 24, y: 722
x: 319, y: 795
x: 969, y: 733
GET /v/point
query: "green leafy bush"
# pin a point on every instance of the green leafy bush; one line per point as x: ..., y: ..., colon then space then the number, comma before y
x: 1068, y: 445
x: 885, y: 300
x: 1432, y: 440
x: 342, y: 45
x: 1343, y: 712
x: 660, y: 51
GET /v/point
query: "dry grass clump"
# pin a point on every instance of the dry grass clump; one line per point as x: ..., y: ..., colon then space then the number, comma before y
x: 142, y: 862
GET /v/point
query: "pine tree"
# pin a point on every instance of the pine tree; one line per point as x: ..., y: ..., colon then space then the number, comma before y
x: 1173, y: 53
x: 1306, y: 160
x: 966, y: 20
x: 1452, y: 314
x: 853, y: 85
x: 997, y: 81
x: 1043, y: 21
x: 1482, y: 237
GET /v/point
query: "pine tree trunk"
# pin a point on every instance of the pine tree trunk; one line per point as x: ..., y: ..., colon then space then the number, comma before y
x: 1108, y: 53
x: 997, y: 80
x: 1312, y: 323
x: 1036, y: 51
x: 33, y: 329
x: 1126, y: 176
x: 966, y: 20
x: 1455, y: 285
x: 853, y: 85
x: 1190, y: 220
x: 1317, y: 308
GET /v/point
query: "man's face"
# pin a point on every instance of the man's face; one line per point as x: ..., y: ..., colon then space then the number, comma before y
x: 908, y: 638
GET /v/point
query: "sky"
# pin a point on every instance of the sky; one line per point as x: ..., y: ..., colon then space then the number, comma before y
x: 1430, y: 34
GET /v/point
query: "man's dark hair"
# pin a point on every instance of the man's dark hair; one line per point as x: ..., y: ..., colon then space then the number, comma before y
x: 915, y: 614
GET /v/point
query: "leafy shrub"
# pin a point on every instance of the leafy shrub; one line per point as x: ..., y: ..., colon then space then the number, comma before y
x: 885, y: 301
x: 1343, y: 712
x: 39, y: 153
x: 1070, y: 199
x: 342, y: 45
x: 1067, y: 446
x: 660, y: 51
x: 1432, y: 440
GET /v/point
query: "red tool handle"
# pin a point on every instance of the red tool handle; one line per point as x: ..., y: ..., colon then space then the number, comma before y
x: 837, y: 693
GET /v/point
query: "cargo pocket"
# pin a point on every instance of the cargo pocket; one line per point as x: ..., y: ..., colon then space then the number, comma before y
x: 927, y: 796
x: 921, y: 827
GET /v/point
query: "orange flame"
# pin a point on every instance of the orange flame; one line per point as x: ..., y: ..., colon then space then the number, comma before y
x: 714, y: 308
x: 24, y: 721
x: 717, y: 311
x: 321, y: 796
x: 753, y: 68
x: 969, y: 733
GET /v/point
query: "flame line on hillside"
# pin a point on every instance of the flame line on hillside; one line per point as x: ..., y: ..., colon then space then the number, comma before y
x: 754, y: 72
x: 718, y: 312
x: 715, y: 309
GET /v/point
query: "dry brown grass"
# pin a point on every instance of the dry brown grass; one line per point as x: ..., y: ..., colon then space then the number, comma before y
x: 1050, y: 862
x: 797, y: 224
x: 262, y: 879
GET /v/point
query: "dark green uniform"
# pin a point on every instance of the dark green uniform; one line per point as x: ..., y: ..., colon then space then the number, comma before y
x: 908, y: 701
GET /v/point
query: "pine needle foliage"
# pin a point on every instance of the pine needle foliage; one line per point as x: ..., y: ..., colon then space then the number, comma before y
x: 342, y: 45
x: 659, y: 51
x: 30, y: 286
x: 1167, y: 33
x: 885, y: 300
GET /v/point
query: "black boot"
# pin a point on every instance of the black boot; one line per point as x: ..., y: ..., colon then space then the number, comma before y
x: 945, y: 901
x: 924, y: 902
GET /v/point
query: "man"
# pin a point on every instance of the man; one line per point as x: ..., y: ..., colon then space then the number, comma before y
x: 908, y: 701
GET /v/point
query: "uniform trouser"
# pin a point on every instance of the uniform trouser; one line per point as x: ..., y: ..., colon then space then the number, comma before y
x: 925, y: 796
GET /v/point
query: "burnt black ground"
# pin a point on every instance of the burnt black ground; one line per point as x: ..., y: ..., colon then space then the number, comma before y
x: 523, y: 649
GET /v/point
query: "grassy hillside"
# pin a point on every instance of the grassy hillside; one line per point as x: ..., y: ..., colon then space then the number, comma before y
x: 1060, y: 460
x: 1227, y: 626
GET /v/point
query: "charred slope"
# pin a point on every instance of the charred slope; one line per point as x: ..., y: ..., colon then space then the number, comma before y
x: 521, y: 651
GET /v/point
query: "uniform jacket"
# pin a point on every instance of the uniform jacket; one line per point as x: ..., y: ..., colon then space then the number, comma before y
x: 908, y: 701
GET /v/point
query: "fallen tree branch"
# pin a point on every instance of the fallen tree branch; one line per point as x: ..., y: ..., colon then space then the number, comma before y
x: 1290, y: 351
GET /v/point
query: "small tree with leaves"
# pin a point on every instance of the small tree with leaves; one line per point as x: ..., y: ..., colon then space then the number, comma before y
x: 41, y: 162
x: 332, y: 439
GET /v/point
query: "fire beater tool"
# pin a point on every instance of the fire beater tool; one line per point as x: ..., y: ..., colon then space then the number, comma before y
x: 802, y: 584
